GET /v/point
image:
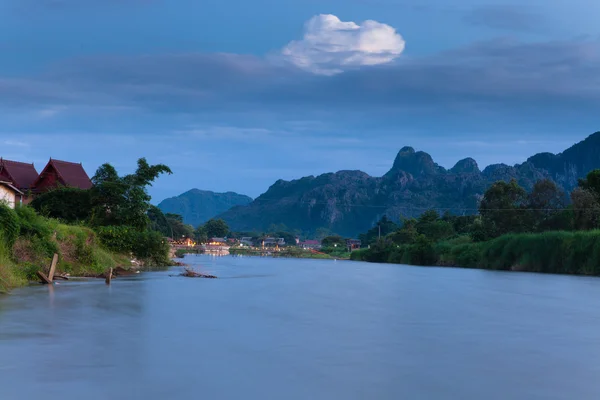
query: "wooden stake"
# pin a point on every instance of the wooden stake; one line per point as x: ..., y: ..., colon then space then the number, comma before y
x: 53, y: 267
x: 44, y: 278
x: 109, y: 276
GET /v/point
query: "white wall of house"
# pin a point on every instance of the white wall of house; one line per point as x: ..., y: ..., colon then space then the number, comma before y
x: 7, y: 195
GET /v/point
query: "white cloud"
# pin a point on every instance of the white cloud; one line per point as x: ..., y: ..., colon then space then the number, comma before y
x: 15, y: 143
x: 330, y: 46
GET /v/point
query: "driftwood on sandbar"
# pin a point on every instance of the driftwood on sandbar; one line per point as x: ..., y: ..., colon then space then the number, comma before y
x: 188, y: 273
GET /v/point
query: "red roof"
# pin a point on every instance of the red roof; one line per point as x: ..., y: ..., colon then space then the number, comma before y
x: 70, y: 174
x: 22, y: 175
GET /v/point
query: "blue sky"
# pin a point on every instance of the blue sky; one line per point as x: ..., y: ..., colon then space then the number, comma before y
x: 234, y: 95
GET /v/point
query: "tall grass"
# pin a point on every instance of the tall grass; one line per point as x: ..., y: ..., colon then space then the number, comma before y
x: 8, y: 279
x: 576, y: 253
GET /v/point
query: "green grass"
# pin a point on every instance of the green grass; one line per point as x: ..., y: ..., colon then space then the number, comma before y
x: 576, y: 253
x: 8, y: 278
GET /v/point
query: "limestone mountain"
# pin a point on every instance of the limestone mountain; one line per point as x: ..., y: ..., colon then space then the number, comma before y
x: 350, y: 202
x: 198, y: 206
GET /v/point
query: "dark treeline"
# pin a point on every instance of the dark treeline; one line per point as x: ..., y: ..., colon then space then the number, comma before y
x: 545, y: 230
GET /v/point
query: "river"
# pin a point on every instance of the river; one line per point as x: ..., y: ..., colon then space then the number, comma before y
x: 304, y: 329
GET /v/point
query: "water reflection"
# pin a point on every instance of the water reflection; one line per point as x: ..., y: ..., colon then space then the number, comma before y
x: 303, y: 329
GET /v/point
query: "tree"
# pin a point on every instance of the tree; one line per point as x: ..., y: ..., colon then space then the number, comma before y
x: 216, y: 228
x: 333, y: 241
x: 586, y: 209
x: 123, y: 201
x: 435, y: 229
x: 545, y: 202
x: 591, y: 183
x: 407, y: 234
x: 65, y: 203
x: 201, y: 235
x: 503, y: 206
x: 159, y: 222
x: 384, y: 227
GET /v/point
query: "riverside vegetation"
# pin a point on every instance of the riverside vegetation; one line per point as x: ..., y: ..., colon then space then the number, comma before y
x: 91, y: 230
x: 515, y: 230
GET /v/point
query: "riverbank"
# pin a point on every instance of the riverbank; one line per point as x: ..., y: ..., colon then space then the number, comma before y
x: 29, y: 241
x: 573, y: 253
x: 289, y: 252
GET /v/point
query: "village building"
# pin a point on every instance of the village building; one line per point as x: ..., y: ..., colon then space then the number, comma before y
x: 10, y: 195
x: 353, y: 244
x: 62, y: 174
x: 21, y: 175
x: 217, y: 241
x: 247, y: 241
x: 273, y: 242
x: 311, y: 244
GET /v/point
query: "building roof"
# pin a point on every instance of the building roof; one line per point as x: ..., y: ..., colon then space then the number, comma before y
x: 311, y: 242
x: 11, y: 186
x: 72, y: 174
x: 22, y: 175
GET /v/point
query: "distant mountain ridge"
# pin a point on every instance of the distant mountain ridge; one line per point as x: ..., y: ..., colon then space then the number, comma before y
x: 198, y: 206
x: 350, y: 202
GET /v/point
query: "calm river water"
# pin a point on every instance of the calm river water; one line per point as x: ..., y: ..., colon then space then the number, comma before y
x: 304, y: 329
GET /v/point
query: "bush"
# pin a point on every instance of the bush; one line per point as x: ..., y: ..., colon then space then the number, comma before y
x: 31, y: 224
x: 147, y: 245
x: 66, y: 204
x: 9, y: 225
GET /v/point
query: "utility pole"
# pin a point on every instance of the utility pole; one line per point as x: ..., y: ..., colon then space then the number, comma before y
x: 379, y: 231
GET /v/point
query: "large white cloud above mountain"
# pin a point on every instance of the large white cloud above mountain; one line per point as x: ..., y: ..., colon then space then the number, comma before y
x: 330, y: 46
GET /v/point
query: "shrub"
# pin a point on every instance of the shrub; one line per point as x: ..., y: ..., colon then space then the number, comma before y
x: 147, y: 245
x: 9, y: 225
x: 66, y: 204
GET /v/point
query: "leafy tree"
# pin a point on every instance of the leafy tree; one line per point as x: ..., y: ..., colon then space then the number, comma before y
x: 591, y: 182
x: 430, y: 225
x: 159, y: 222
x: 502, y: 208
x: 545, y: 201
x: 586, y: 209
x: 460, y: 223
x: 216, y: 228
x: 174, y: 217
x: 332, y: 241
x: 201, y: 235
x: 65, y: 203
x: 386, y: 225
x: 407, y: 234
x: 123, y: 201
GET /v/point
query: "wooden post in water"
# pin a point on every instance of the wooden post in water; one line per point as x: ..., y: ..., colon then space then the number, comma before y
x: 44, y: 278
x: 109, y: 276
x: 53, y: 267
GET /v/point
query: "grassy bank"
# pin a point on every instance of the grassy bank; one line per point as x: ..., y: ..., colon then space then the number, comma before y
x: 29, y: 241
x: 576, y: 253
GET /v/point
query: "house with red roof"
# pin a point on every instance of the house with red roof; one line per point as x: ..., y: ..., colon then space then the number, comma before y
x: 21, y: 176
x: 59, y: 173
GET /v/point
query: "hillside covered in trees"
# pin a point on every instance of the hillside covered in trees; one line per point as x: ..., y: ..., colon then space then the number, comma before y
x: 350, y: 202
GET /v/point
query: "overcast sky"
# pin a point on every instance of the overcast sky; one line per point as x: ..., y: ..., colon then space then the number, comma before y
x: 235, y: 94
